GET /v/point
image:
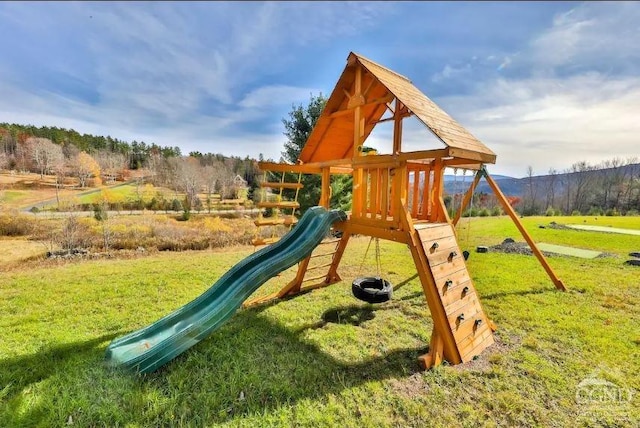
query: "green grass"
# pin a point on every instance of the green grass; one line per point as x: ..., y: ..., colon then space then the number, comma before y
x: 324, y: 358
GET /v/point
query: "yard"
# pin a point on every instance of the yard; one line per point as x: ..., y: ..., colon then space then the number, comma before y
x: 324, y: 358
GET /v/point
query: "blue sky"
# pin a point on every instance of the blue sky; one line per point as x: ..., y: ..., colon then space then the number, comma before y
x: 544, y: 84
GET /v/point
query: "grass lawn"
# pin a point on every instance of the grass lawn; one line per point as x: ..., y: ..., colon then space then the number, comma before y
x: 324, y: 358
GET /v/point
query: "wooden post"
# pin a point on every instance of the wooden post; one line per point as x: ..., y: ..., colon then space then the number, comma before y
x: 325, y: 195
x: 332, y: 275
x: 467, y: 197
x: 357, y: 141
x: 438, y: 172
x: 509, y: 210
x: 397, y: 127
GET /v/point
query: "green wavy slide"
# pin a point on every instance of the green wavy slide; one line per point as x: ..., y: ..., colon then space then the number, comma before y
x: 149, y: 348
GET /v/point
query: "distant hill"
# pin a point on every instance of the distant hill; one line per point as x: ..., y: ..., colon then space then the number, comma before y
x: 517, y: 186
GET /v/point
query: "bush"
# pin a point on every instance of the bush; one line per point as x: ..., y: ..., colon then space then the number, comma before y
x: 632, y: 213
x: 176, y: 205
x: 14, y: 224
x: 99, y: 212
x: 550, y: 212
x: 595, y: 211
x: 612, y: 212
x: 496, y: 211
x: 484, y: 212
x: 576, y: 213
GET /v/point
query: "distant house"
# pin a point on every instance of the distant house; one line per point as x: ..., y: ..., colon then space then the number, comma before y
x: 241, y: 186
x: 240, y: 182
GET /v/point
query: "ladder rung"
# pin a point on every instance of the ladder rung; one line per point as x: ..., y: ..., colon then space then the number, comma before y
x: 286, y: 204
x: 315, y: 278
x: 286, y: 220
x: 278, y: 185
x: 323, y: 254
x: 319, y: 266
x: 264, y: 241
x: 329, y: 242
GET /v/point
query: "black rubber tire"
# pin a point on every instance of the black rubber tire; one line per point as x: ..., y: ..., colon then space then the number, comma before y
x: 372, y: 289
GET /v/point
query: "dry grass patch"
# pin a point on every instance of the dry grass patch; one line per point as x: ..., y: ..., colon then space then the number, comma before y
x: 13, y: 251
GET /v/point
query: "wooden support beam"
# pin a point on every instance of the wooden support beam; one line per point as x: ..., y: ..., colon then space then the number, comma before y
x: 301, y: 168
x: 332, y: 275
x: 350, y: 107
x: 354, y: 227
x: 438, y: 178
x: 455, y: 152
x: 397, y: 128
x: 426, y: 201
x: 325, y: 194
x: 467, y: 198
x: 416, y: 190
x: 534, y: 248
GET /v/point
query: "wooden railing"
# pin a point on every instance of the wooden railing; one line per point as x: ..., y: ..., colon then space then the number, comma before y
x: 380, y: 187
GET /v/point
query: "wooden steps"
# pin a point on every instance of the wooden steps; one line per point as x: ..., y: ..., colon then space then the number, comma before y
x: 281, y: 205
x: 279, y: 185
x: 467, y: 321
x: 273, y: 221
x: 264, y: 241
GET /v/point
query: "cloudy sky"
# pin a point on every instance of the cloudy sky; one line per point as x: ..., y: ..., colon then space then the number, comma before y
x: 542, y: 84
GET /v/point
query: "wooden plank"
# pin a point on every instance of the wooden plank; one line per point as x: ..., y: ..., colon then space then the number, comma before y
x: 426, y: 202
x: 355, y: 228
x: 364, y: 193
x: 280, y: 185
x: 454, y: 302
x: 283, y: 204
x: 431, y: 231
x: 442, y: 270
x: 271, y: 221
x: 416, y: 196
x: 477, y: 346
x: 374, y: 194
x: 472, y: 155
x: 384, y: 205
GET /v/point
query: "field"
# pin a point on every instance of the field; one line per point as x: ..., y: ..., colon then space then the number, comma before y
x: 324, y: 358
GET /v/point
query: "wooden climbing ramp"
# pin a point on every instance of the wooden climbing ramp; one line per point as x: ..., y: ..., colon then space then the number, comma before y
x: 465, y: 324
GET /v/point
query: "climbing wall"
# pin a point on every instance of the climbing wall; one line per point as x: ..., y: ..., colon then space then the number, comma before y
x: 468, y: 323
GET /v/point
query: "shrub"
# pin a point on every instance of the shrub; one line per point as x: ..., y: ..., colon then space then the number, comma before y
x: 594, y: 211
x: 176, y: 205
x: 14, y: 224
x: 550, y: 212
x: 612, y: 212
x: 632, y: 213
x: 484, y: 212
x: 576, y: 213
x: 496, y: 211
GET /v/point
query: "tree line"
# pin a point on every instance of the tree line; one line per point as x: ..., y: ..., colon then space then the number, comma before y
x: 611, y: 187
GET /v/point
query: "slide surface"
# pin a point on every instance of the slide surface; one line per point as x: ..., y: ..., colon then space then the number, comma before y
x: 149, y: 348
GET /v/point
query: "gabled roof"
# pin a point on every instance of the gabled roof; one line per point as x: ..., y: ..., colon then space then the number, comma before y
x: 332, y: 137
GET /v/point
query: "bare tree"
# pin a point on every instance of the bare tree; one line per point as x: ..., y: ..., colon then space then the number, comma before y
x: 552, y: 179
x: 44, y: 154
x: 189, y: 177
x: 111, y: 164
x: 530, y: 194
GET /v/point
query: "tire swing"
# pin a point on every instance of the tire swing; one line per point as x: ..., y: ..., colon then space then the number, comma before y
x: 372, y: 289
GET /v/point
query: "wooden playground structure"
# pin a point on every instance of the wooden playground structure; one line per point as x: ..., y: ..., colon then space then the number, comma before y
x: 398, y: 197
